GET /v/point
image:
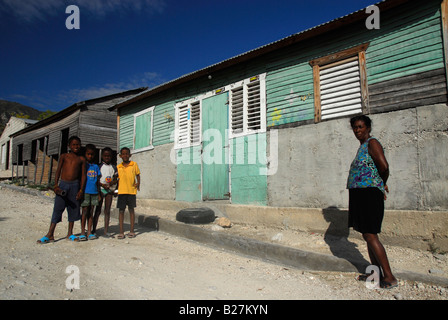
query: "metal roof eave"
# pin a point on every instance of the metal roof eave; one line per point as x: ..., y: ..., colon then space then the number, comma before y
x: 69, y: 110
x: 292, y: 39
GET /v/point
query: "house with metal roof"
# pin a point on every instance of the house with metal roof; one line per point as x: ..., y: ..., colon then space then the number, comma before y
x: 270, y: 127
x: 14, y: 124
x: 36, y: 149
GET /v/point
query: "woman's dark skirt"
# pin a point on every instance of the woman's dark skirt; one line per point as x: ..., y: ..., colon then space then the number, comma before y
x: 366, y: 210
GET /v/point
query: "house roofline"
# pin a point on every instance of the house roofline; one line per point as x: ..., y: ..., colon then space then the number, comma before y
x: 69, y: 110
x: 268, y: 48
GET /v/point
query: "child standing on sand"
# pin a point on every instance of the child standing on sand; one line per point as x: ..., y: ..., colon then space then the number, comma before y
x: 69, y: 189
x: 92, y: 194
x: 128, y: 185
x: 108, y: 183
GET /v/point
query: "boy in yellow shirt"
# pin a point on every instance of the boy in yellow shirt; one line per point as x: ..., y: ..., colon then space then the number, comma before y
x: 128, y: 185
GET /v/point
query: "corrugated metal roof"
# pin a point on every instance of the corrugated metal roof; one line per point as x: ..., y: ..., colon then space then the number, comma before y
x: 294, y: 38
x: 69, y: 110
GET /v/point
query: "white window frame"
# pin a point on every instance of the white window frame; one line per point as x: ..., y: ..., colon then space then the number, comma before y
x: 189, y: 139
x: 136, y: 115
x: 245, y: 85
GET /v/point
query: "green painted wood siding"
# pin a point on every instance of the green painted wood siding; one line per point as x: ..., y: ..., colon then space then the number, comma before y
x: 248, y: 169
x: 188, y: 179
x: 163, y: 123
x: 408, y: 41
x: 407, y: 45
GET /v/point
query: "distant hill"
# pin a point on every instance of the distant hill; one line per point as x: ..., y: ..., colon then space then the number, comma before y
x: 9, y: 108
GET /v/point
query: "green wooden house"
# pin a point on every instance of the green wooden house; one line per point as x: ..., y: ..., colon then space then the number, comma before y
x: 270, y: 127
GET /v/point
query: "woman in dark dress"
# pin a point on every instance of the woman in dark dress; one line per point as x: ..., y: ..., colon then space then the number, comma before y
x: 367, y: 179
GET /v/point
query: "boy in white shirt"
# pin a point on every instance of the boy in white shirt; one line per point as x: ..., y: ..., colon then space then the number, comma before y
x: 108, y: 183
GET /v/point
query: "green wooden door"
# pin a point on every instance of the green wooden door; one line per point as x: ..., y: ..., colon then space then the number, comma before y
x: 215, y: 168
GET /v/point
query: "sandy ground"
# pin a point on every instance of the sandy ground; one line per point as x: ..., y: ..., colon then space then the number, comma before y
x: 352, y: 248
x: 159, y: 266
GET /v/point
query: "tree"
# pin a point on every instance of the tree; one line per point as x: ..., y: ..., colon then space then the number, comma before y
x: 20, y: 115
x: 45, y: 114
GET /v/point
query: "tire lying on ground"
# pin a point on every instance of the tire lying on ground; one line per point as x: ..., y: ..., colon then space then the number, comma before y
x: 196, y: 215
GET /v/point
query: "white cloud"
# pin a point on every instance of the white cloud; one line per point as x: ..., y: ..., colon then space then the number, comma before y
x: 65, y: 98
x: 31, y: 10
x: 147, y: 79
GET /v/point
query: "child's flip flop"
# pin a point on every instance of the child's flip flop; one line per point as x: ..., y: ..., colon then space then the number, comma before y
x: 44, y: 240
x: 92, y: 237
x: 73, y: 238
x: 82, y: 238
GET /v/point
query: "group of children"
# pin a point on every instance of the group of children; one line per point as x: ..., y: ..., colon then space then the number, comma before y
x: 80, y: 183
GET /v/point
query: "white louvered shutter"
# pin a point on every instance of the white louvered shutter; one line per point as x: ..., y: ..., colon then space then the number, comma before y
x: 248, y: 106
x: 182, y: 125
x: 195, y: 123
x: 253, y: 106
x: 237, y: 109
x: 340, y: 89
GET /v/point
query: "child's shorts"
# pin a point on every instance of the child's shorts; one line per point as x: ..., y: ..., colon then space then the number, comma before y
x: 124, y: 200
x: 90, y: 200
x: 68, y: 201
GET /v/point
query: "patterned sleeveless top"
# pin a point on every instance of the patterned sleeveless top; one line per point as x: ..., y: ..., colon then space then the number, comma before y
x: 363, y: 172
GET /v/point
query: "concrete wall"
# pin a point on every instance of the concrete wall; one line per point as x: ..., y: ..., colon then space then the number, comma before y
x: 158, y: 173
x: 313, y: 161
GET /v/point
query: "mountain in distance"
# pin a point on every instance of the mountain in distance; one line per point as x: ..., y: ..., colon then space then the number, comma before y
x: 10, y: 108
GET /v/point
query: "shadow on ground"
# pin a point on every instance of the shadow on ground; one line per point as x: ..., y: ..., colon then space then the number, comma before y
x: 336, y: 237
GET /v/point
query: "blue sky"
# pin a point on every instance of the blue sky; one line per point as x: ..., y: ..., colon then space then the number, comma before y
x: 126, y: 44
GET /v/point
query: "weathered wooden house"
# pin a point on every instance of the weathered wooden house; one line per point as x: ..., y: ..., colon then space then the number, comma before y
x: 14, y: 124
x: 37, y: 148
x: 270, y: 127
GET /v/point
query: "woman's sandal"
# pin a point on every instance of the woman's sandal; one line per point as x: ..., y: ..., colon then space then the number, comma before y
x: 388, y: 285
x: 363, y: 277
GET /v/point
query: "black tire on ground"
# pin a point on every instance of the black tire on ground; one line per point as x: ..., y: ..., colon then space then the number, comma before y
x: 196, y: 215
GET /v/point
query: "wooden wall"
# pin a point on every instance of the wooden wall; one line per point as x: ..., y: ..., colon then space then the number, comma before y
x: 98, y: 125
x: 91, y: 121
x: 52, y: 131
x: 405, y: 68
x: 43, y: 170
x: 407, y: 47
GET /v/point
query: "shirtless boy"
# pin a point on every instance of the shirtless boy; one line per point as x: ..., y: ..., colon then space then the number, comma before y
x: 69, y: 188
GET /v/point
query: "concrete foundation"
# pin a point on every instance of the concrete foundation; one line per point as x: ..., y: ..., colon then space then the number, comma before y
x: 307, y: 191
x: 314, y: 159
x: 426, y: 230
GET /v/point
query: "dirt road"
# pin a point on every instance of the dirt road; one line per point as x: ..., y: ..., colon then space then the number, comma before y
x: 155, y: 266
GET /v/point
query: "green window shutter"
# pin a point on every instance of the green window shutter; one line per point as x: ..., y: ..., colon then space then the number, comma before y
x: 143, y: 129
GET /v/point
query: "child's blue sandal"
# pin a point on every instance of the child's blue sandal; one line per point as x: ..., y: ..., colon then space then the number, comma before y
x: 44, y: 240
x: 92, y: 237
x: 73, y: 238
